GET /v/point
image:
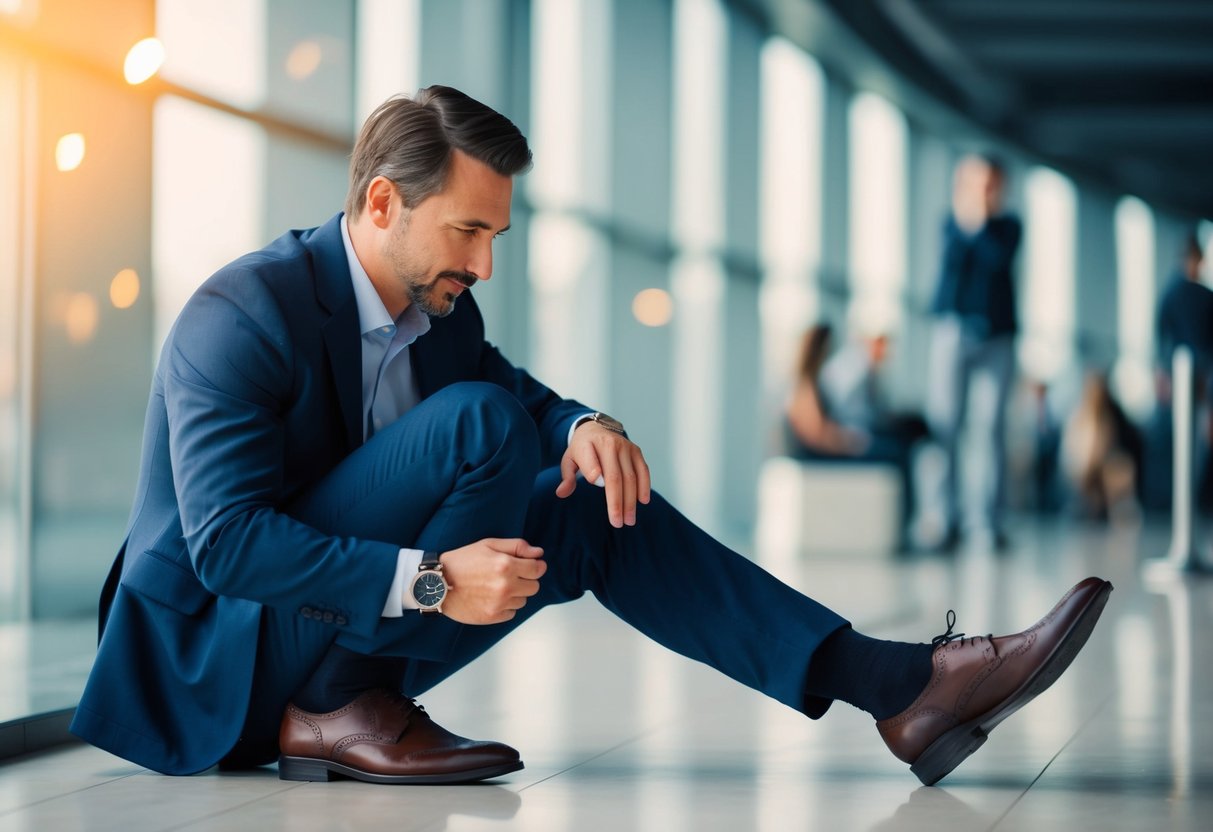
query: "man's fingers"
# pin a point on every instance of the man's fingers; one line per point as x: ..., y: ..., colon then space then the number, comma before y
x: 628, y: 474
x: 568, y: 475
x: 515, y: 546
x: 643, y: 482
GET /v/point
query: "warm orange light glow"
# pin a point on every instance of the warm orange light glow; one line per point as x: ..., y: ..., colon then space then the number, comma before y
x: 10, y: 6
x: 143, y: 60
x: 304, y: 59
x: 653, y: 307
x: 80, y: 317
x: 124, y: 289
x: 69, y: 152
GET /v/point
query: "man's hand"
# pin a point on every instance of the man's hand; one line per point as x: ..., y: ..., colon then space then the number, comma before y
x: 491, y: 579
x: 598, y: 452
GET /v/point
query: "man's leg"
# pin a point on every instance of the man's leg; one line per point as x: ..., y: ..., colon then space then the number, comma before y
x: 998, y: 360
x: 670, y: 580
x: 935, y: 703
x: 948, y: 379
x: 455, y: 469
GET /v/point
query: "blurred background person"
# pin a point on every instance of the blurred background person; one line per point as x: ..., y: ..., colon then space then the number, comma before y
x: 974, y: 334
x: 1185, y: 318
x: 835, y: 412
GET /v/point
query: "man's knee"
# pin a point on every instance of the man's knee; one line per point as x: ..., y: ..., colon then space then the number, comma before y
x: 490, y: 413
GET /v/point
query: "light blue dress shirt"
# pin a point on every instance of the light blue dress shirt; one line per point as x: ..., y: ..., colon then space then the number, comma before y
x: 389, y: 388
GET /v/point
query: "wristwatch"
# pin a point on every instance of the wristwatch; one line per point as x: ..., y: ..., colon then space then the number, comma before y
x: 429, y: 586
x: 608, y: 422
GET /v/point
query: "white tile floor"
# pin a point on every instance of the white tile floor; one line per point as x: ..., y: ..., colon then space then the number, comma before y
x: 621, y: 735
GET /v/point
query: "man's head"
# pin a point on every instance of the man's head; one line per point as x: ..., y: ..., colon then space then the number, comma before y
x: 410, y: 141
x: 979, y: 181
x: 430, y: 187
x: 1193, y: 257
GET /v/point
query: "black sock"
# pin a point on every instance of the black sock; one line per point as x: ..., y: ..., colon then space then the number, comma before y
x: 343, y: 675
x: 880, y: 677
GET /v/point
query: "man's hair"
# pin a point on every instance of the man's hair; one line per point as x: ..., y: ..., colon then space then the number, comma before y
x: 410, y: 141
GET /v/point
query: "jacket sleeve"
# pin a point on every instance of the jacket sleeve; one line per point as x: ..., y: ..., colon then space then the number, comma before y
x: 227, y: 385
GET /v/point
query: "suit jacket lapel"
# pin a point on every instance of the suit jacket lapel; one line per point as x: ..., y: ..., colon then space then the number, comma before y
x: 342, y: 337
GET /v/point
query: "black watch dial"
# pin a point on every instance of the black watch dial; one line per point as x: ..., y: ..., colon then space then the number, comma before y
x: 429, y: 589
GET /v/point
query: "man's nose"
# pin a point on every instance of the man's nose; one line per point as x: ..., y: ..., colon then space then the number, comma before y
x: 481, y: 262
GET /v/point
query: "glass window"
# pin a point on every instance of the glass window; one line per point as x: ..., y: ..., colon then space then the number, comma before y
x: 190, y: 32
x: 1135, y: 304
x: 790, y: 201
x: 696, y: 277
x: 207, y: 198
x: 388, y: 54
x: 1047, y: 275
x: 11, y: 228
x: 877, y: 224
x: 700, y: 32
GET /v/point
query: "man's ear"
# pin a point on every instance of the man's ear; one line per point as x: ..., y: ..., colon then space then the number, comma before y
x: 381, y: 204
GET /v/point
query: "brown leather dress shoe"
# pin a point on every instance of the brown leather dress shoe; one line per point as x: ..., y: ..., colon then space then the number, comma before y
x: 383, y: 737
x: 979, y: 682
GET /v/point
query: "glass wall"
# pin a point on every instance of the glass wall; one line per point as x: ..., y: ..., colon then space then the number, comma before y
x: 13, y: 291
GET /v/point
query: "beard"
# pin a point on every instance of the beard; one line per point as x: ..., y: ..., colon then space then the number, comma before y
x: 430, y: 297
x: 423, y: 290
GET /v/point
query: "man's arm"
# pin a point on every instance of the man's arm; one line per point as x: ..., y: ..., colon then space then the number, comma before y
x: 227, y: 383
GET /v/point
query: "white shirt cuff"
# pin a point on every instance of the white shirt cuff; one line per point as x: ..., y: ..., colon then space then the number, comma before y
x: 398, y: 598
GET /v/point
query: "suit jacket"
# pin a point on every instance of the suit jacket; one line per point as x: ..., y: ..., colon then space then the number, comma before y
x: 975, y: 280
x: 257, y: 395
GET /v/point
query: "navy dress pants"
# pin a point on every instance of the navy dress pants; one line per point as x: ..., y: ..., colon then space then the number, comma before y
x: 464, y: 465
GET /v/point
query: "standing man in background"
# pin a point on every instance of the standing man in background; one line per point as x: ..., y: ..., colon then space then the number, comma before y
x: 974, y: 335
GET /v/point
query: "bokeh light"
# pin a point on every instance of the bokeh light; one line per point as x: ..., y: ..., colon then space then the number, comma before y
x: 69, y: 152
x: 653, y: 307
x: 80, y: 317
x: 304, y: 59
x: 124, y: 289
x: 143, y: 60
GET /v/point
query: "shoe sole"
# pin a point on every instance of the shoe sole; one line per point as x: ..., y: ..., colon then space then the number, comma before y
x: 955, y: 745
x: 311, y: 769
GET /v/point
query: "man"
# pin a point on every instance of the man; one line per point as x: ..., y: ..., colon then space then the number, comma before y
x: 1185, y: 318
x: 974, y: 334
x: 347, y: 494
x: 1185, y: 313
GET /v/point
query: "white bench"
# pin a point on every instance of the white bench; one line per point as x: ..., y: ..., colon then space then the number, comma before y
x: 817, y: 507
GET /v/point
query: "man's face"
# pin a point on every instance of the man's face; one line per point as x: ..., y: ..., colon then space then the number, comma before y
x: 444, y: 245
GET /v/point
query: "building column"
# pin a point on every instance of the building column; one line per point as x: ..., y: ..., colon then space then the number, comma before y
x: 743, y: 438
x: 835, y: 189
x: 1095, y: 277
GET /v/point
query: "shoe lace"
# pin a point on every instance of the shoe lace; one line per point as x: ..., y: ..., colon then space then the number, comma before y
x: 406, y: 704
x: 948, y: 637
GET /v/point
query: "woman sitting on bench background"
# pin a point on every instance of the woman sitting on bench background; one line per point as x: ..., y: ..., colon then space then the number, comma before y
x: 834, y: 412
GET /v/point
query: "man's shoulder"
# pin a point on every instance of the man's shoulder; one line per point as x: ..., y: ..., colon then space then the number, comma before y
x: 281, y: 265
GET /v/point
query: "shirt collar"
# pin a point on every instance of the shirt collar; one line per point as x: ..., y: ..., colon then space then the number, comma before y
x: 373, y: 316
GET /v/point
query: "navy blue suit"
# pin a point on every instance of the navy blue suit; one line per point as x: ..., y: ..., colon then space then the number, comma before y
x: 264, y: 530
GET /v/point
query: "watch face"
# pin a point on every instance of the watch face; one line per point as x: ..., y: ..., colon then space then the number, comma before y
x: 429, y: 589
